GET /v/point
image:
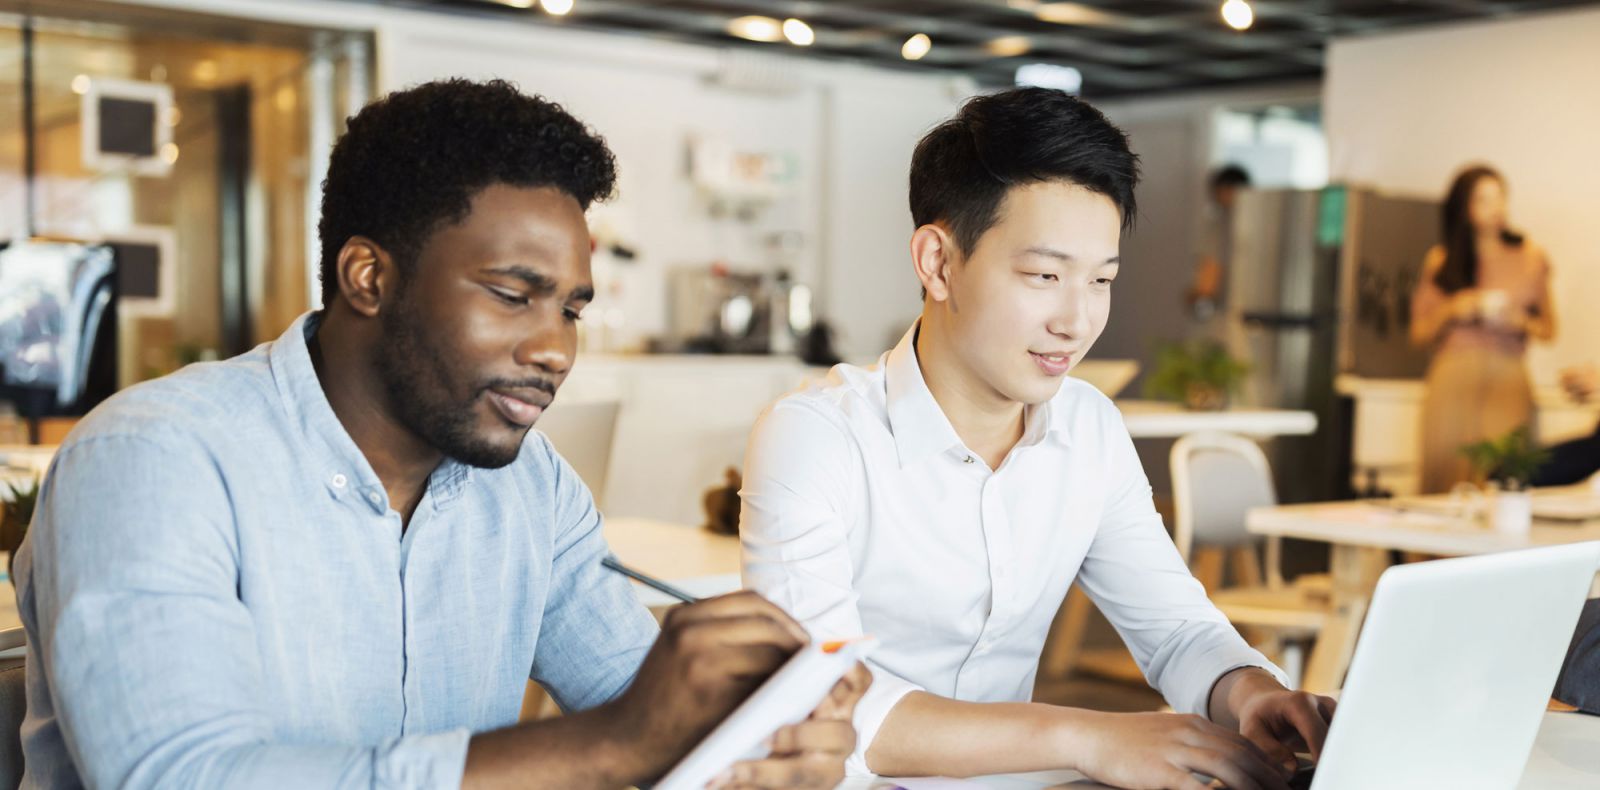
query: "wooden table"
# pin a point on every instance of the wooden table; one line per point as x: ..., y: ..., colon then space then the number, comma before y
x: 1361, y: 535
x: 1564, y: 757
x: 690, y: 558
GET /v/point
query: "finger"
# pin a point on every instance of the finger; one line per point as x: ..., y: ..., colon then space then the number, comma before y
x: 1243, y: 765
x: 1207, y: 730
x: 1327, y: 705
x: 804, y: 771
x: 841, y: 700
x: 824, y: 736
x: 1303, y: 714
x: 1265, y: 739
x: 740, y: 604
x: 734, y: 632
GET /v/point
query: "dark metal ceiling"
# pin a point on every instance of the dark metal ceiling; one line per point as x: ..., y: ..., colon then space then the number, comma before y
x: 1121, y: 47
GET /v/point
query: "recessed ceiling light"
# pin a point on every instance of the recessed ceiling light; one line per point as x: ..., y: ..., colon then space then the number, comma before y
x: 1238, y: 14
x: 556, y: 7
x: 1009, y: 46
x: 80, y: 84
x: 516, y: 3
x: 756, y: 28
x: 798, y: 33
x: 916, y: 47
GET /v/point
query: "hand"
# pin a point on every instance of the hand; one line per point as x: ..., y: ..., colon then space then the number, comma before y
x: 710, y: 656
x: 1284, y: 722
x: 811, y: 753
x: 1163, y: 751
x: 1466, y: 305
x: 1581, y: 382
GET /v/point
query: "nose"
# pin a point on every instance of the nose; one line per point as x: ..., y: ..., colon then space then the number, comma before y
x: 549, y: 348
x: 1071, y: 317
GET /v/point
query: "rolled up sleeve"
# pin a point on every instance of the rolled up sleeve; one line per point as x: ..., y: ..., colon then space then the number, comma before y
x: 799, y: 480
x: 1134, y: 574
x: 143, y: 660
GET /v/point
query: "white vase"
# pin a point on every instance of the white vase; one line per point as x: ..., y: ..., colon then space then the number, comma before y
x: 1512, y: 512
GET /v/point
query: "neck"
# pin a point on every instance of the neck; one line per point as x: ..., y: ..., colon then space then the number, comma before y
x: 988, y: 423
x: 342, y: 351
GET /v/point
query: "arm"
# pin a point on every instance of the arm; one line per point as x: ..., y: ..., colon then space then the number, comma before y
x: 1541, y: 320
x: 1431, y: 308
x: 133, y: 556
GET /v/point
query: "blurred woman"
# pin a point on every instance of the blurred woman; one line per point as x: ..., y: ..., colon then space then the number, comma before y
x: 1482, y: 295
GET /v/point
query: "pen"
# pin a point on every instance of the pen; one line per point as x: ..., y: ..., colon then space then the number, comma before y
x: 611, y: 562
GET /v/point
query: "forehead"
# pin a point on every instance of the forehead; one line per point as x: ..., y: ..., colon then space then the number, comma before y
x: 1060, y: 214
x: 510, y: 220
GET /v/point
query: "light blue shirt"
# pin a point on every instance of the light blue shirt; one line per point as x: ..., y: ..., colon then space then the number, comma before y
x: 217, y: 594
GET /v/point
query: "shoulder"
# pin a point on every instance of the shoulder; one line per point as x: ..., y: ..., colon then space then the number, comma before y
x: 203, y: 401
x: 1434, y: 259
x: 1087, y: 413
x: 846, y: 400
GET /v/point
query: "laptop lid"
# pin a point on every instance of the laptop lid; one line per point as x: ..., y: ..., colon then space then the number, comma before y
x: 1453, y: 669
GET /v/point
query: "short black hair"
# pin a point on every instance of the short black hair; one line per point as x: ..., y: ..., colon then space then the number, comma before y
x: 962, y: 170
x: 1230, y: 176
x: 411, y: 163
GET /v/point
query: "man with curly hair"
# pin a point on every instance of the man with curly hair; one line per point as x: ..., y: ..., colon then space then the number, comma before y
x: 335, y: 561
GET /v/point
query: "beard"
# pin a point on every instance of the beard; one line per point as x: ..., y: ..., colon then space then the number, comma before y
x: 417, y: 375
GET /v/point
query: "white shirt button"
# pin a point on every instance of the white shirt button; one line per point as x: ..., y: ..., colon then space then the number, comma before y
x: 339, y: 481
x: 372, y: 496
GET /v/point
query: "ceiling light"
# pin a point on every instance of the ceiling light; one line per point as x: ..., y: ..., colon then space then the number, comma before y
x: 80, y: 84
x: 756, y: 28
x: 798, y: 33
x: 557, y: 7
x: 1237, y: 14
x: 169, y: 153
x: 517, y: 3
x: 916, y: 47
x: 1047, y: 75
x: 1008, y: 46
x: 1071, y: 14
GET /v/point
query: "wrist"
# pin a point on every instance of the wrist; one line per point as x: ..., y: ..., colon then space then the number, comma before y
x: 1072, y: 736
x: 1236, y: 689
x: 621, y: 744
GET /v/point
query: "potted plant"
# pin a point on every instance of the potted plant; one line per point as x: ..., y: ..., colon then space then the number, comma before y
x: 16, y: 512
x: 1507, y: 463
x: 1200, y: 374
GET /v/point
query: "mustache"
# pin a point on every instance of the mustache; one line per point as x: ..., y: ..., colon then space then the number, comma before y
x: 544, y: 385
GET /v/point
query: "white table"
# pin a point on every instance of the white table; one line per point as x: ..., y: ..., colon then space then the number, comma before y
x: 1361, y: 534
x: 696, y: 561
x: 1148, y: 419
x: 1565, y: 757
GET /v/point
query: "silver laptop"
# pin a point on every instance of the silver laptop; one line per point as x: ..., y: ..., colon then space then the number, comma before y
x: 1453, y: 670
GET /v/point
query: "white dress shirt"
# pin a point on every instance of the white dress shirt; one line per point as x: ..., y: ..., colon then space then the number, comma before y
x: 863, y: 512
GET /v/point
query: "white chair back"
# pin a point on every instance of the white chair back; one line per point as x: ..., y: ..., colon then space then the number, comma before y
x: 583, y: 433
x: 1216, y: 479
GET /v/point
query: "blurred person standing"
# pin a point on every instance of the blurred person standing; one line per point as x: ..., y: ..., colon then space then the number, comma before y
x: 1206, y: 288
x: 1482, y: 295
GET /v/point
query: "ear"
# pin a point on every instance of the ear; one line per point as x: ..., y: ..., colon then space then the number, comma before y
x: 933, y: 252
x: 365, y: 269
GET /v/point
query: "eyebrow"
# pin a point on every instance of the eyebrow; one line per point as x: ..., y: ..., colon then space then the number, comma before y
x: 542, y: 283
x: 1051, y: 252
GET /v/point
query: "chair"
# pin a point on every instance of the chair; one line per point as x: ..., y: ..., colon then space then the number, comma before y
x: 1216, y: 479
x: 13, y: 706
x: 583, y: 433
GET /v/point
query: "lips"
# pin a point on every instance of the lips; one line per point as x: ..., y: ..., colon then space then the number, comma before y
x: 519, y: 406
x: 1052, y: 364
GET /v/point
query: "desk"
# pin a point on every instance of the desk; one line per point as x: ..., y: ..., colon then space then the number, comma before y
x: 690, y: 558
x: 1564, y: 757
x: 1147, y: 419
x: 1361, y: 533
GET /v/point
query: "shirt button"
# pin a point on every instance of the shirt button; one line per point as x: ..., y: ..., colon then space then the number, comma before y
x: 372, y: 496
x: 339, y: 481
x: 967, y: 460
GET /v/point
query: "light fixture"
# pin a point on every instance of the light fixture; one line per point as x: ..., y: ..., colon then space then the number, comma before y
x: 916, y: 47
x: 1049, y: 75
x: 798, y: 33
x: 556, y: 7
x: 80, y: 84
x: 517, y: 3
x: 169, y: 153
x: 1008, y: 46
x: 1238, y: 14
x: 205, y: 71
x: 1071, y: 14
x: 756, y: 28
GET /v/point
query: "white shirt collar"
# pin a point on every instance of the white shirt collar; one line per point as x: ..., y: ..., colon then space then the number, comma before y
x: 919, y: 424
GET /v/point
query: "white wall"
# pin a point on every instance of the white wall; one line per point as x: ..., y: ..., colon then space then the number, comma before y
x: 852, y: 129
x: 1404, y: 112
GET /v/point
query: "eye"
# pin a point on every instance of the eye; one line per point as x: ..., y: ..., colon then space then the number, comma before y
x: 509, y: 297
x: 571, y: 314
x: 1103, y: 281
x: 1042, y: 276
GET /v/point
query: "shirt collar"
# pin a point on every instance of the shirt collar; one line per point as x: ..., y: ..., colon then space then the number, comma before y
x: 344, y: 468
x: 920, y: 426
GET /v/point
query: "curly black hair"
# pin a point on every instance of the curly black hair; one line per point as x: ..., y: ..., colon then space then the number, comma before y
x: 962, y: 170
x: 411, y: 163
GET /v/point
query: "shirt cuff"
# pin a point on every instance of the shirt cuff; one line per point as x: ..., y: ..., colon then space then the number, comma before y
x: 1198, y: 675
x: 423, y: 761
x: 886, y: 691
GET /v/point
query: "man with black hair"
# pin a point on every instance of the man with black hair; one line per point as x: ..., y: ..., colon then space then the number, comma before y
x: 945, y: 499
x: 1206, y: 290
x: 336, y: 560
